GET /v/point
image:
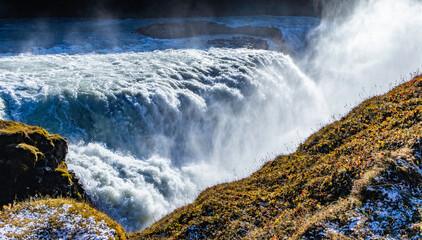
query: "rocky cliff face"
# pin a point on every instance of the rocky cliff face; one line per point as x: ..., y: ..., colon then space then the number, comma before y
x: 32, y: 163
x: 357, y: 178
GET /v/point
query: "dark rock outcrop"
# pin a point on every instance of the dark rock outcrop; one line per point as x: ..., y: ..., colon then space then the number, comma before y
x: 32, y: 163
x: 187, y: 29
x: 239, y: 42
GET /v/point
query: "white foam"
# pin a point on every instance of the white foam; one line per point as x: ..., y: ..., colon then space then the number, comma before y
x: 133, y: 191
x: 159, y: 126
x: 149, y: 130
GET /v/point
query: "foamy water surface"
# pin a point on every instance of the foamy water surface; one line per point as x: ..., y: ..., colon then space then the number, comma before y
x: 153, y: 122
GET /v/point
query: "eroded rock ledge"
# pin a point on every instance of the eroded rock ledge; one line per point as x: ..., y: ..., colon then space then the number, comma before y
x: 32, y: 163
x: 187, y: 29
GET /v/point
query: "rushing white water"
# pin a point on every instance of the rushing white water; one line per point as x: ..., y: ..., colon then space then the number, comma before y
x: 149, y: 129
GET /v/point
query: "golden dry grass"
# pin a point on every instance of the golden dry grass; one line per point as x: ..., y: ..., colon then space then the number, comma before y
x: 324, y: 180
x: 54, y: 218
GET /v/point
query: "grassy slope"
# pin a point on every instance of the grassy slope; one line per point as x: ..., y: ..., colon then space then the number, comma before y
x: 325, y: 180
x: 57, y: 218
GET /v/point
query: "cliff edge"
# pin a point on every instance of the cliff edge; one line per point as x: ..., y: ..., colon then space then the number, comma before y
x: 32, y: 163
x: 32, y: 166
x: 359, y: 177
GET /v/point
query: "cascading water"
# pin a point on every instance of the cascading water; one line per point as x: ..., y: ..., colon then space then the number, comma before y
x: 152, y: 122
x: 148, y: 130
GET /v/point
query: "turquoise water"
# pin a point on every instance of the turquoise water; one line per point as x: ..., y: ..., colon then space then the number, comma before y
x: 153, y: 122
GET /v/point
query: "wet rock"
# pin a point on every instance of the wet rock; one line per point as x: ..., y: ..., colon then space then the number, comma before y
x: 39, y: 171
x: 174, y: 30
x: 239, y: 42
x: 32, y: 162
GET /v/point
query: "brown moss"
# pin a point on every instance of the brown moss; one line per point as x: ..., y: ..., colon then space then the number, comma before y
x: 32, y: 152
x: 33, y: 162
x: 64, y: 173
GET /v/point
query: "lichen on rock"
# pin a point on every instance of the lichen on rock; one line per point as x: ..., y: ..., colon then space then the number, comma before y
x: 32, y: 163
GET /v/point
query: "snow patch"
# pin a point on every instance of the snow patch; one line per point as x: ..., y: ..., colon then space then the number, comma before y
x: 391, y: 210
x: 44, y: 222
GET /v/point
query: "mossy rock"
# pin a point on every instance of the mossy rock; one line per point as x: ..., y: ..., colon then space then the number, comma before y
x: 57, y: 219
x: 32, y: 162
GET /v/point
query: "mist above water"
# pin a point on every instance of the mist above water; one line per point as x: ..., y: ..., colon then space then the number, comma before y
x: 366, y: 52
x: 149, y: 129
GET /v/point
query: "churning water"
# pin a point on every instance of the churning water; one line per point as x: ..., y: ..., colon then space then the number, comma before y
x: 153, y: 122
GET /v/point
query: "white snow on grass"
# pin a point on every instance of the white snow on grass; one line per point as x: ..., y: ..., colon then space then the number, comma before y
x: 394, y: 208
x: 41, y: 221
